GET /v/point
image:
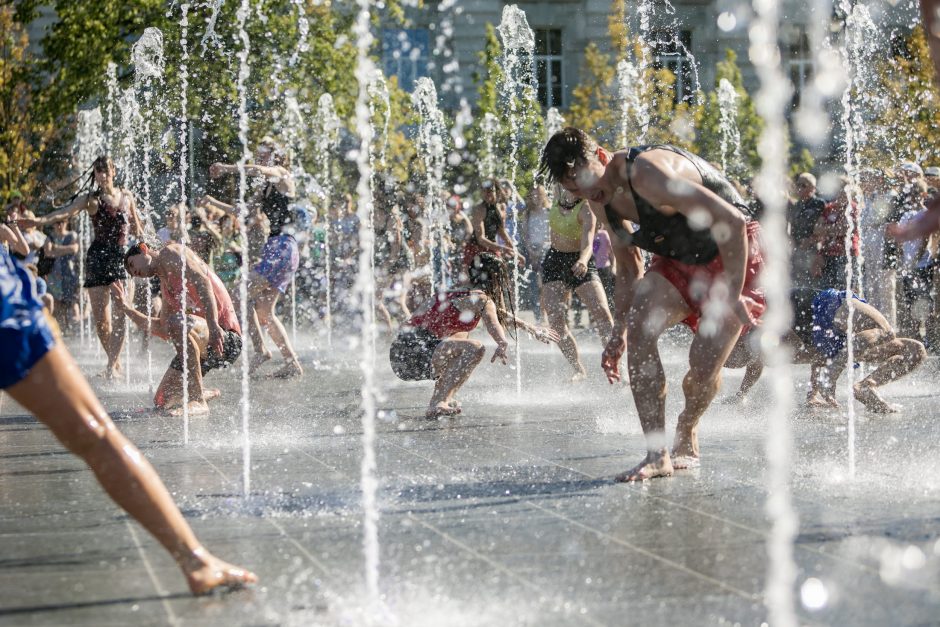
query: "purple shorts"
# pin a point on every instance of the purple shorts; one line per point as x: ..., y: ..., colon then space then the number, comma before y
x: 280, y: 259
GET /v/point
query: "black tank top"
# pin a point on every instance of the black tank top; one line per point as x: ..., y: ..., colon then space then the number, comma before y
x: 276, y: 206
x: 671, y: 235
x: 491, y: 222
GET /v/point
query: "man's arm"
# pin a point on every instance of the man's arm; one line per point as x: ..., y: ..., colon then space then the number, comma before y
x: 12, y: 235
x: 197, y: 275
x: 156, y: 326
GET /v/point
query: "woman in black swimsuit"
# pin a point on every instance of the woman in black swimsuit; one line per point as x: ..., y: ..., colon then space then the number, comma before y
x: 489, y: 222
x: 113, y: 213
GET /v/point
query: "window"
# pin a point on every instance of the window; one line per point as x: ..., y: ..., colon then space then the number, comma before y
x: 405, y: 54
x: 800, y: 63
x: 548, y: 67
x: 672, y: 50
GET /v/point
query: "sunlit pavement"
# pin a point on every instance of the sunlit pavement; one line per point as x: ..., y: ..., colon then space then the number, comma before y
x: 506, y: 515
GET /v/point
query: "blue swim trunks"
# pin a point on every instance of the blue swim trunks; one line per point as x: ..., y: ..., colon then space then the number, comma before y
x: 24, y: 335
x: 828, y: 340
x: 280, y: 259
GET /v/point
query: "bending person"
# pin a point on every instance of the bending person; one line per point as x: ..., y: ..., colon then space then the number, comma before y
x: 213, y: 336
x: 569, y: 268
x: 819, y: 336
x: 704, y: 272
x: 41, y: 375
x: 113, y: 213
x: 435, y: 343
x: 280, y: 257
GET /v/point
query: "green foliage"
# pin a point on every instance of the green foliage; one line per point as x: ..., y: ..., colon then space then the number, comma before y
x: 708, y: 115
x: 909, y: 111
x: 22, y: 137
x: 488, y: 147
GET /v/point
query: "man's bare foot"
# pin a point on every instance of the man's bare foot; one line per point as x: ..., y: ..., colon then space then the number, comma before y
x: 440, y: 410
x: 656, y: 464
x: 816, y: 400
x: 685, y: 462
x: 455, y: 404
x: 869, y: 397
x: 256, y: 360
x: 288, y: 371
x: 209, y: 394
x: 579, y: 375
x: 196, y: 408
x: 214, y: 574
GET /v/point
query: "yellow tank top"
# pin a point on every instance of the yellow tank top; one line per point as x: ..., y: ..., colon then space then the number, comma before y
x: 563, y: 224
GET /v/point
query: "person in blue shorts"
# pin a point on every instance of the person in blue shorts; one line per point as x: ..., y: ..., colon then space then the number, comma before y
x: 819, y: 337
x: 39, y: 373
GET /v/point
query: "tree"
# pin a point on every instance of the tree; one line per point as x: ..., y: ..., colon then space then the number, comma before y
x: 749, y: 124
x: 909, y: 109
x: 23, y: 136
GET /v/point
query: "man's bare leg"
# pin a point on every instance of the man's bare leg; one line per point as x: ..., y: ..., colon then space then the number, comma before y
x: 657, y: 305
x: 896, y: 356
x: 707, y: 356
x: 194, y: 346
x: 58, y: 395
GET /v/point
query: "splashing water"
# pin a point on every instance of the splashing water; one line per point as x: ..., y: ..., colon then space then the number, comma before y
x: 326, y: 138
x: 243, y: 73
x: 210, y: 35
x: 518, y: 47
x: 730, y: 135
x: 432, y: 134
x: 770, y: 101
x: 184, y: 132
x: 365, y: 286
x: 303, y: 32
x: 633, y: 109
x: 490, y: 127
x: 554, y: 121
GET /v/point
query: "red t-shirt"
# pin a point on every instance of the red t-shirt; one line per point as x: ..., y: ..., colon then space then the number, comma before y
x: 443, y: 318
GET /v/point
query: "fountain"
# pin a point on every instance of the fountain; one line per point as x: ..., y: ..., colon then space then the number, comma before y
x: 518, y: 51
x: 770, y: 102
x: 183, y: 200
x: 326, y: 139
x: 730, y: 135
x: 432, y: 133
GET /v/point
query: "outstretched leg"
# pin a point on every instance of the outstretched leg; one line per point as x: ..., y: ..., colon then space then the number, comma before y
x: 264, y: 303
x: 896, y: 356
x: 57, y: 393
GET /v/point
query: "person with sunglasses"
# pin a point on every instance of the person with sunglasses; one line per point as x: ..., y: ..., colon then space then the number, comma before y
x: 114, y: 217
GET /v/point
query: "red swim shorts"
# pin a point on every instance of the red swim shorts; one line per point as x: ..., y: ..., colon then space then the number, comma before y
x: 694, y: 282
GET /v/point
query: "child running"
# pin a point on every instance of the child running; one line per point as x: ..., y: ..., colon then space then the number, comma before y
x: 435, y: 344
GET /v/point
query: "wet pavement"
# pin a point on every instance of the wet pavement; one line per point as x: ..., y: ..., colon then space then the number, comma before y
x: 506, y: 515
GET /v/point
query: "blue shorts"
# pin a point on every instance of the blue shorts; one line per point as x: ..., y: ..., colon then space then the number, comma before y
x: 24, y: 334
x: 280, y: 259
x: 827, y: 340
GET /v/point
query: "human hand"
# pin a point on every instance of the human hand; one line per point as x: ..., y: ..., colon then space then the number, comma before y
x: 501, y: 353
x: 610, y: 359
x: 579, y: 269
x: 748, y: 311
x: 546, y: 336
x: 216, y: 336
x: 119, y: 295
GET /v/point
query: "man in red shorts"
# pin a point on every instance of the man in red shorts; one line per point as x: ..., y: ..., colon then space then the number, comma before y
x: 706, y: 261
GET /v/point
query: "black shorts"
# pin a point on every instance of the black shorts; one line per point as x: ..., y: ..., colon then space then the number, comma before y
x: 556, y: 266
x: 104, y: 264
x: 231, y: 349
x: 411, y: 354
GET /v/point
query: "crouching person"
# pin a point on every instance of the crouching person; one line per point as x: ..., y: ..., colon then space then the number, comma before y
x: 212, y: 338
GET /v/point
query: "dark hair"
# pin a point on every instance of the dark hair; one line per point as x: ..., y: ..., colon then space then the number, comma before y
x: 488, y: 273
x: 133, y: 251
x: 568, y: 148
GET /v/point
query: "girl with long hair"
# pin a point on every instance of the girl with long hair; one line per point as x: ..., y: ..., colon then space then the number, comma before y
x: 435, y: 344
x: 113, y: 213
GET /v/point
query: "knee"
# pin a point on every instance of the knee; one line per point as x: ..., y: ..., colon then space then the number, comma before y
x: 914, y: 350
x: 88, y: 434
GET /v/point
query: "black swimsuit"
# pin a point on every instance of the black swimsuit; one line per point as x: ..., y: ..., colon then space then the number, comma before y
x: 671, y: 235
